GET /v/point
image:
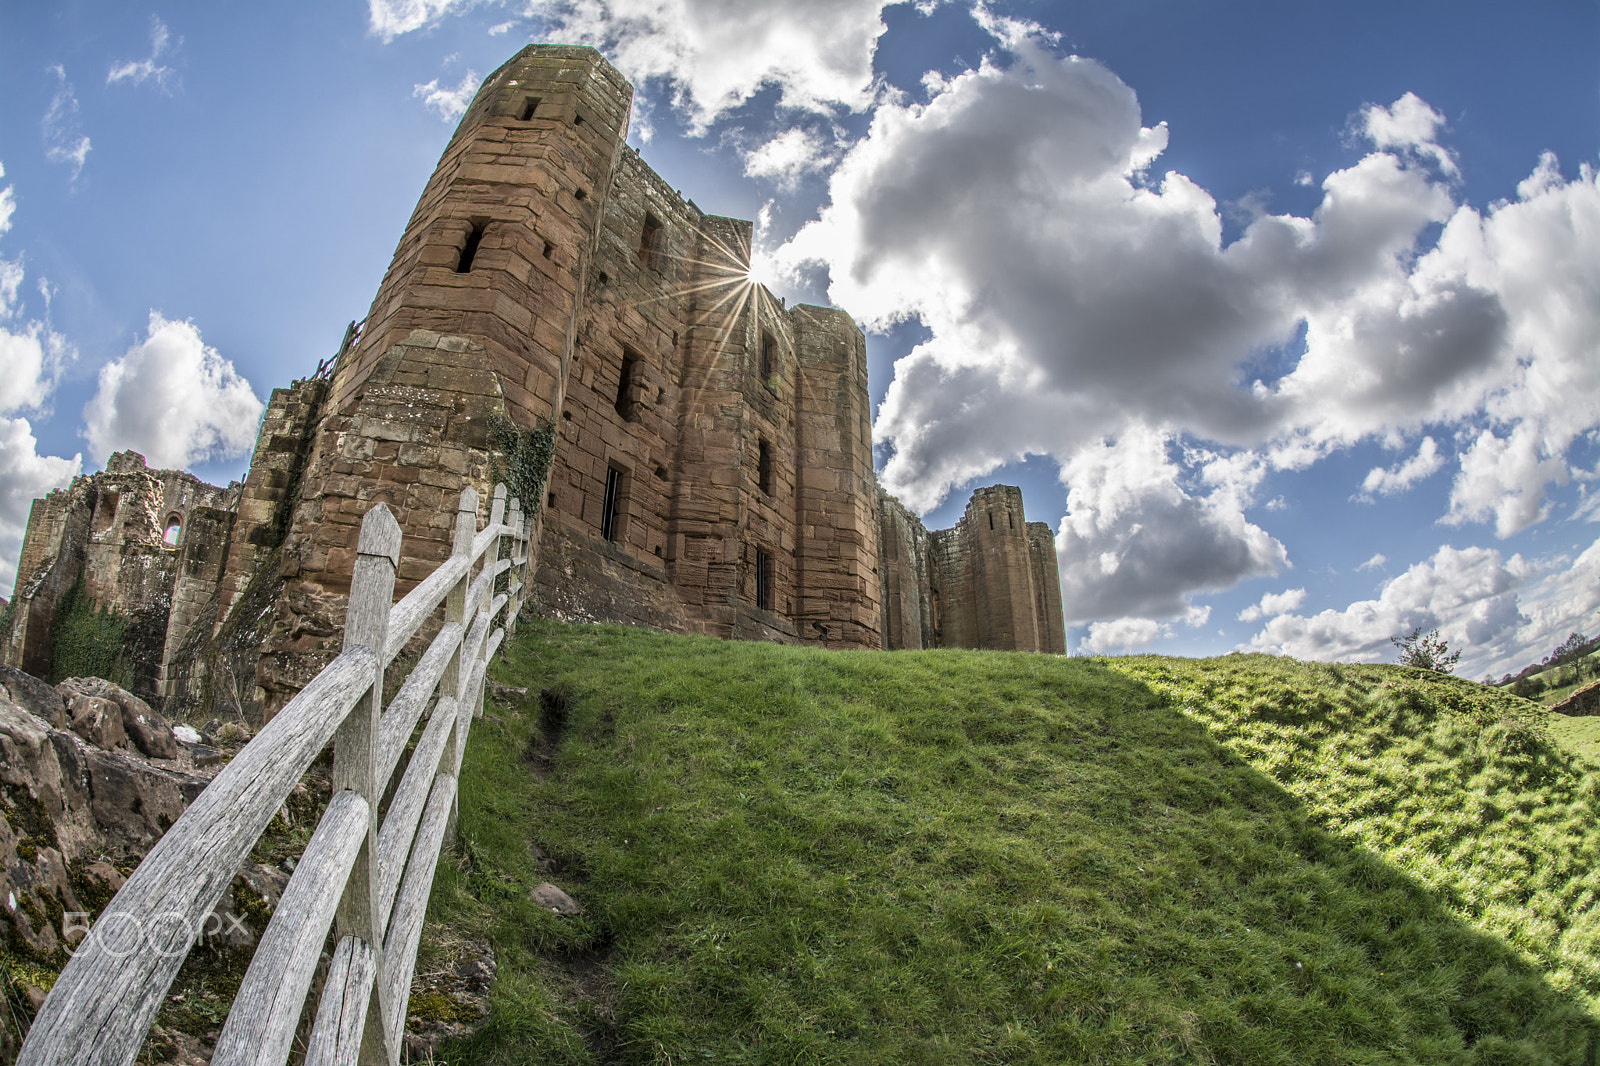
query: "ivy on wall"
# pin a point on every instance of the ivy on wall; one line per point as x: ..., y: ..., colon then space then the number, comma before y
x: 86, y: 641
x: 521, y: 458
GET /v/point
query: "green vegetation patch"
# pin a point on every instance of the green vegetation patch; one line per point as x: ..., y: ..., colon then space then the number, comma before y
x: 86, y: 641
x: 788, y: 855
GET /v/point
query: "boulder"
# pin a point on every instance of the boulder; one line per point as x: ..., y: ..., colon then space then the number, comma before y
x: 97, y: 720
x: 74, y: 812
x: 148, y: 731
x: 37, y: 697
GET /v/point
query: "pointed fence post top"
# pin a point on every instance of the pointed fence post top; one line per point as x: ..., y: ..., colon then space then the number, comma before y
x: 380, y: 534
x: 469, y: 502
x: 498, y: 511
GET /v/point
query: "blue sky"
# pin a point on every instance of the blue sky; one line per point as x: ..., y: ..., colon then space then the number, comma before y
x: 1285, y: 316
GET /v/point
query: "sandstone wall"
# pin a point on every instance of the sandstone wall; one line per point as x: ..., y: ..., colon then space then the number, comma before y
x: 991, y: 581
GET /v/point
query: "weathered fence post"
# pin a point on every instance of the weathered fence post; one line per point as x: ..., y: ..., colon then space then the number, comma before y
x: 518, y: 576
x: 355, y: 746
x: 491, y: 559
x: 455, y: 610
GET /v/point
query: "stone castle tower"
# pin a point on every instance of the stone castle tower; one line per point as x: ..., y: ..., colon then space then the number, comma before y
x: 713, y: 460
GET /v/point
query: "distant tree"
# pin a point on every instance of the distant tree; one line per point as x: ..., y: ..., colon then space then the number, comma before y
x: 1427, y: 651
x: 1569, y: 649
x: 1527, y: 687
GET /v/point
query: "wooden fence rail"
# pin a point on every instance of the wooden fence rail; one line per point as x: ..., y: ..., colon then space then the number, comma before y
x: 364, y: 875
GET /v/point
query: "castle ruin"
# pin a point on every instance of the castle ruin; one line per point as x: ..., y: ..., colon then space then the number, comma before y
x: 712, y: 467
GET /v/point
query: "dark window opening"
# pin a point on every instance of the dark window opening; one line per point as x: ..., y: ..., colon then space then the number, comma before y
x: 529, y: 106
x: 105, y: 511
x: 763, y: 579
x: 991, y: 521
x: 650, y: 241
x: 548, y: 249
x: 581, y: 194
x: 768, y: 358
x: 1011, y: 522
x: 661, y: 472
x: 550, y: 501
x: 469, y: 250
x: 577, y: 120
x: 625, y: 405
x: 764, y: 467
x: 611, y: 503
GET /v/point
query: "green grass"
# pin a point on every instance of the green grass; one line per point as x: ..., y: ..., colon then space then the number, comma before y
x: 1581, y: 736
x: 788, y: 855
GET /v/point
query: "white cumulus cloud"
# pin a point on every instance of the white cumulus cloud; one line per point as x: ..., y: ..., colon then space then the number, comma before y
x: 1468, y: 594
x: 711, y: 55
x: 31, y: 359
x: 1135, y: 543
x: 1395, y: 480
x: 25, y: 475
x: 788, y: 157
x: 173, y: 399
x: 1079, y: 300
x: 1274, y: 603
x: 388, y: 19
x: 1122, y: 635
x: 449, y: 102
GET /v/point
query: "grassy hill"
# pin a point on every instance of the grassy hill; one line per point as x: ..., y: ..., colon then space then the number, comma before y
x: 787, y: 855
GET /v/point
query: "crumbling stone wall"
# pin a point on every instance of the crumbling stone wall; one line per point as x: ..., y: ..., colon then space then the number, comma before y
x: 121, y: 533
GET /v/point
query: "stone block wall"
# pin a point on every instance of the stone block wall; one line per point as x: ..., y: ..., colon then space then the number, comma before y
x: 992, y: 581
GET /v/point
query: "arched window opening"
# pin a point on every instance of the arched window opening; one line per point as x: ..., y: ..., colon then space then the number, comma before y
x: 764, y: 467
x: 174, y: 528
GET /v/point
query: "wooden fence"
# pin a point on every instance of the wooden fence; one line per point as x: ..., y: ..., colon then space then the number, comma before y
x: 369, y: 876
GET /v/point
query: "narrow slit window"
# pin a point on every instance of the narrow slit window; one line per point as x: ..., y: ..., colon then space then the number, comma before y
x: 764, y: 467
x: 611, y: 503
x: 991, y: 521
x: 529, y: 106
x: 626, y: 380
x: 763, y: 579
x: 650, y: 240
x: 768, y: 358
x: 469, y: 250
